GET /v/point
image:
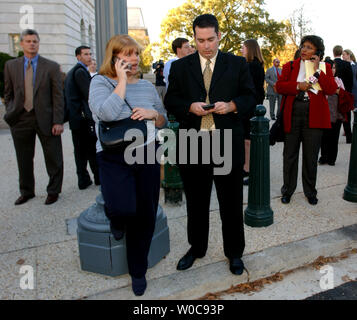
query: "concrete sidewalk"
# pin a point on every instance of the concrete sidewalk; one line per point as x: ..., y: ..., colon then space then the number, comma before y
x: 3, y: 124
x: 37, y: 235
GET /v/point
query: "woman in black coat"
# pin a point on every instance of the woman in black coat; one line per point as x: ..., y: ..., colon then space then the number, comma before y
x: 252, y: 53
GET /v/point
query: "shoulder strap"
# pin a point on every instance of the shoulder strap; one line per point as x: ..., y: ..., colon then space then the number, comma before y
x: 291, y: 65
x: 114, y: 88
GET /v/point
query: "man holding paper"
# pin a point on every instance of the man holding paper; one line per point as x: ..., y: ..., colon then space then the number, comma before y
x: 305, y: 84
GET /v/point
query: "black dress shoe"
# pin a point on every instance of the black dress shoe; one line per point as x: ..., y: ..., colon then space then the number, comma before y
x: 322, y: 161
x: 23, y: 199
x: 236, y: 266
x: 187, y: 261
x: 117, y: 233
x: 85, y: 185
x: 138, y: 286
x: 285, y: 199
x: 313, y: 200
x: 96, y: 180
x: 51, y: 198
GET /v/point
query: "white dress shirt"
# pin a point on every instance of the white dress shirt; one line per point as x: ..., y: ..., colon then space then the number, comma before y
x: 302, y: 73
x: 203, y: 62
x: 167, y: 69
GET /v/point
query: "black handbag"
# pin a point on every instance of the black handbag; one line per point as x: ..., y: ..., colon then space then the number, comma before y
x: 277, y: 133
x: 111, y: 134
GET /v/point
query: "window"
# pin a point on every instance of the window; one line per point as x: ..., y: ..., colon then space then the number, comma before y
x: 90, y: 36
x: 83, y: 33
x: 15, y: 48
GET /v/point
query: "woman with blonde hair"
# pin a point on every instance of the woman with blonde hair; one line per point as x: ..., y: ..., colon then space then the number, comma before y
x: 130, y: 191
x: 348, y: 56
x: 252, y: 53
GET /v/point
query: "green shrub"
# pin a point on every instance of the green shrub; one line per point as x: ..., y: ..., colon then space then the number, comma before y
x: 3, y: 58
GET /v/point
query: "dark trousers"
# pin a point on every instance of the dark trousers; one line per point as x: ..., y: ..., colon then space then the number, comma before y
x: 329, y: 143
x: 311, y: 142
x: 272, y: 103
x: 24, y: 137
x: 347, y: 128
x: 84, y: 144
x: 198, y: 182
x: 131, y: 195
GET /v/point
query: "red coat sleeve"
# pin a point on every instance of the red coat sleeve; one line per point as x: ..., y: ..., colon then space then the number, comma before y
x: 284, y: 85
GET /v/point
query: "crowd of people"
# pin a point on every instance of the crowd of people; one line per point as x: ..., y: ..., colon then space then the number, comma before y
x: 206, y: 90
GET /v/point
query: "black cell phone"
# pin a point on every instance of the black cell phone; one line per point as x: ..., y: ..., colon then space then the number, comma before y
x: 319, y: 54
x: 115, y: 59
x: 208, y: 107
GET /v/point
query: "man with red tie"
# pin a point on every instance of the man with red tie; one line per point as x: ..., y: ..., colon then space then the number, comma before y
x: 35, y: 106
x: 271, y: 77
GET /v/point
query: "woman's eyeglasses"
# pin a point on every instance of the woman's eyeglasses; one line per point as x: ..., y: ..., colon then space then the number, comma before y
x: 306, y: 48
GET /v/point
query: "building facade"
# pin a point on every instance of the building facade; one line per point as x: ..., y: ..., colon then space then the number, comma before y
x: 63, y: 25
x: 136, y: 24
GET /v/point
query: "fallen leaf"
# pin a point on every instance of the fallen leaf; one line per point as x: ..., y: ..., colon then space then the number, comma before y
x: 346, y: 279
x: 20, y: 262
x: 344, y: 256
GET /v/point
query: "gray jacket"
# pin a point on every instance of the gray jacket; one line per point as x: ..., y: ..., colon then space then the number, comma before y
x: 271, y: 78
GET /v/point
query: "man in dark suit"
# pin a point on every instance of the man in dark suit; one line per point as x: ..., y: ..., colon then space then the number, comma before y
x: 35, y: 105
x: 344, y: 71
x: 212, y: 77
x: 80, y: 118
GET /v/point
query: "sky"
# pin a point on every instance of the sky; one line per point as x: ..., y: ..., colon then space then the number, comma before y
x: 329, y: 20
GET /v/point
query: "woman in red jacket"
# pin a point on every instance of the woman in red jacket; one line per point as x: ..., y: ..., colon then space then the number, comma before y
x: 306, y: 114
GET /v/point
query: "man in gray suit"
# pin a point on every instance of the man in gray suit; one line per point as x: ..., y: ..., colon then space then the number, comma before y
x: 271, y: 77
x: 35, y: 106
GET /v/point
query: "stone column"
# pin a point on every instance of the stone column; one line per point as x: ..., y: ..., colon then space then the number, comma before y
x: 111, y: 18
